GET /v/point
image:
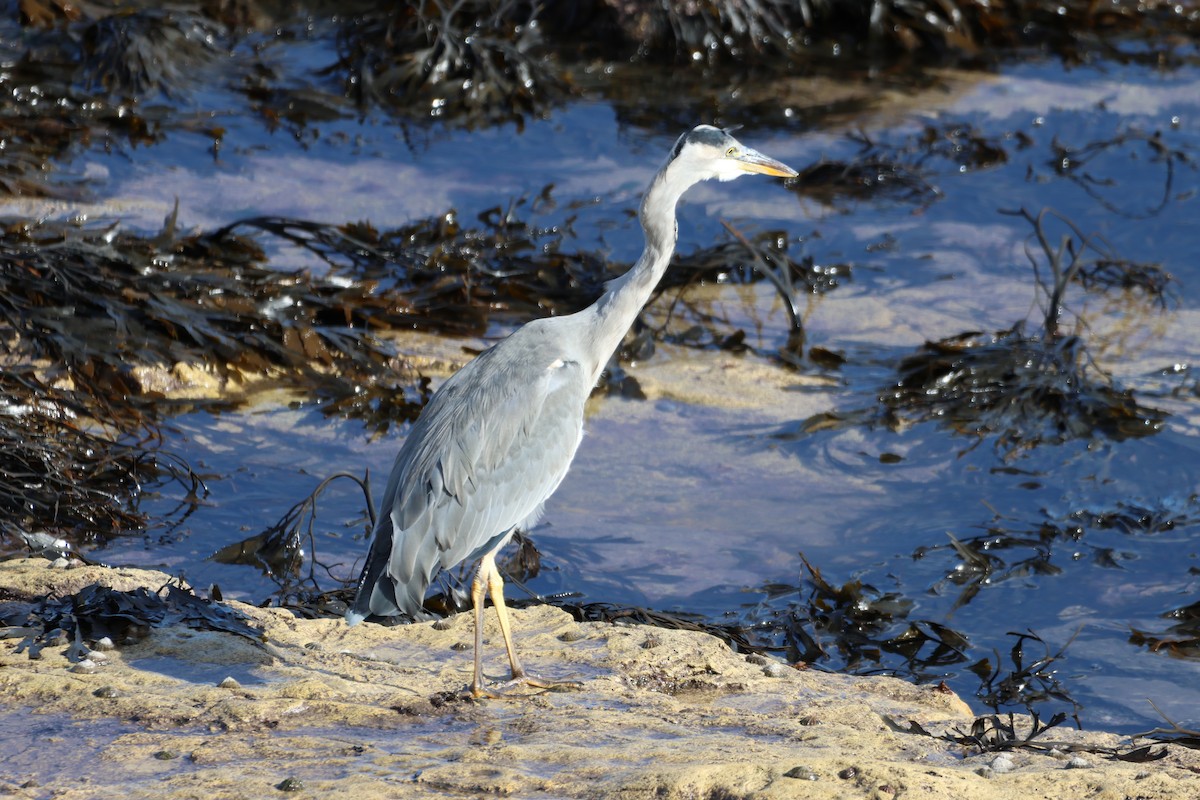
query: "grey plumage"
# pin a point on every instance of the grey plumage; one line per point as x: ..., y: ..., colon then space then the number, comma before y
x: 492, y: 445
x: 498, y: 437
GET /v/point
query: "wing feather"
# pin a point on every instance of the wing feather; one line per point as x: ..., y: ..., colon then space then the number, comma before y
x: 492, y: 445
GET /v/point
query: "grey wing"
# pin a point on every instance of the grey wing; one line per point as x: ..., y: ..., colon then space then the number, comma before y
x: 490, y: 449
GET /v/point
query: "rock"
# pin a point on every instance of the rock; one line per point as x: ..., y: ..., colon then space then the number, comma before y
x: 1002, y: 763
x: 702, y: 720
x: 775, y: 670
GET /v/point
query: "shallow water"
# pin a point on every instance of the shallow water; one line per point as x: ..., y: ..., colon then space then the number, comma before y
x: 695, y: 508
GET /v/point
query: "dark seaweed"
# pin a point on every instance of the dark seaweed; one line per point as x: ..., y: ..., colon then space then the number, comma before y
x: 150, y: 50
x: 1149, y: 151
x: 441, y: 275
x: 97, y: 611
x: 279, y: 550
x: 781, y: 32
x: 994, y: 733
x: 469, y: 61
x: 1025, y: 389
x: 68, y: 471
x: 453, y: 278
x: 1176, y: 734
x: 1180, y: 640
x: 97, y: 300
x: 44, y: 118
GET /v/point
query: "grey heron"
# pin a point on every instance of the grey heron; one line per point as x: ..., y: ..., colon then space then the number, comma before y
x: 496, y: 440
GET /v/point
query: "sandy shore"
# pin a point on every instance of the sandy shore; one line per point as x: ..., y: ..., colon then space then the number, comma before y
x: 324, y: 710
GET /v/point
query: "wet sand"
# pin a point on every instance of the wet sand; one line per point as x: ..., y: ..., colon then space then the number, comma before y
x: 324, y: 710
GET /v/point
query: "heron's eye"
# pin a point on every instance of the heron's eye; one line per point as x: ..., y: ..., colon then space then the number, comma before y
x: 731, y: 152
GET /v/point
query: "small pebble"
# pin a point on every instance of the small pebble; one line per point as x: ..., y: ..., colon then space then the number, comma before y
x: 774, y: 670
x: 315, y: 646
x: 802, y: 773
x: 758, y: 659
x: 107, y: 692
x: 290, y: 785
x: 1002, y: 763
x: 60, y: 563
x: 103, y: 643
x: 229, y: 682
x: 85, y: 667
x: 460, y: 646
x: 98, y: 657
x: 1078, y: 762
x: 848, y: 773
x: 572, y: 635
x: 985, y: 771
x: 166, y: 755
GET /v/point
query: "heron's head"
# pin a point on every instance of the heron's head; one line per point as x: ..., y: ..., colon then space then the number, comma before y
x: 706, y: 152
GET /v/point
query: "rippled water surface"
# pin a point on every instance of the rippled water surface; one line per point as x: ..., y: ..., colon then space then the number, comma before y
x: 690, y: 507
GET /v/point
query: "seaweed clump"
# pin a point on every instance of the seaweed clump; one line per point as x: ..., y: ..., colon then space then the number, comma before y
x: 1025, y: 389
x: 472, y: 61
x: 899, y: 172
x: 66, y: 468
x: 442, y: 275
x: 1180, y: 640
x: 788, y: 31
x: 84, y: 310
x: 44, y: 116
x: 98, y: 300
x: 137, y: 52
x: 99, y: 612
x: 855, y: 627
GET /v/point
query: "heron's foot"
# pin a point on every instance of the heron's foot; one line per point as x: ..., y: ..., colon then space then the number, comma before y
x: 505, y: 690
x: 543, y: 684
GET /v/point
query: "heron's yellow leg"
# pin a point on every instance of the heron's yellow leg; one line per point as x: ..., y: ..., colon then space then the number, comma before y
x: 478, y: 588
x: 495, y: 585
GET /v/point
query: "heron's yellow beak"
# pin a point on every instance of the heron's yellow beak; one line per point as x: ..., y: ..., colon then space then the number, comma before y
x: 754, y: 161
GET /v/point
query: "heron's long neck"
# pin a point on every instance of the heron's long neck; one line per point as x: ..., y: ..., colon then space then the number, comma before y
x: 610, y: 317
